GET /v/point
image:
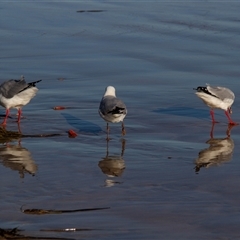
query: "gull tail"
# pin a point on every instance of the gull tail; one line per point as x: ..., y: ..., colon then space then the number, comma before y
x: 117, y: 110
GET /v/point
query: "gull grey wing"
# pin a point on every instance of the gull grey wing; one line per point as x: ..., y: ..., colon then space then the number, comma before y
x: 110, y: 104
x: 12, y: 87
x: 221, y: 92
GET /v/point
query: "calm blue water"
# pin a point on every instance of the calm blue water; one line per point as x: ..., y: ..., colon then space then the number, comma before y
x: 154, y: 53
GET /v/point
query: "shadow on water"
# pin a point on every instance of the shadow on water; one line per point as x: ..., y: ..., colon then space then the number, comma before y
x: 184, y: 112
x: 113, y: 165
x: 83, y: 126
x: 220, y: 151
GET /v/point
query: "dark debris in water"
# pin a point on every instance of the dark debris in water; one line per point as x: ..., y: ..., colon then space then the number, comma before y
x: 15, y: 234
x: 42, y: 135
x: 7, y: 136
x: 36, y: 211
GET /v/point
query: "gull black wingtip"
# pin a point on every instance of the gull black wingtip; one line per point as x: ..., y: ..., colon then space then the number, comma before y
x: 33, y: 84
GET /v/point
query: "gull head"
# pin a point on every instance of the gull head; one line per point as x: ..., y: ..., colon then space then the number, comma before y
x: 110, y: 91
x: 230, y: 110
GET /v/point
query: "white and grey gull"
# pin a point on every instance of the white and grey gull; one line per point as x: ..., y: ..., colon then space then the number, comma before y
x: 112, y: 109
x: 16, y: 94
x: 217, y: 97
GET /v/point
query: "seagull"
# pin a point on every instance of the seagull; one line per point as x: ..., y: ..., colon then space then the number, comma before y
x: 217, y: 97
x: 112, y: 109
x: 16, y: 94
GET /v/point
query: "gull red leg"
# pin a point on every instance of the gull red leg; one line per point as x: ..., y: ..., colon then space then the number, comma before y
x: 19, y: 114
x: 229, y: 119
x: 5, y: 119
x: 212, y: 115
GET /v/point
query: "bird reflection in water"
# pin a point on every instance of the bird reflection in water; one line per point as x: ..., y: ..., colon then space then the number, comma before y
x: 18, y: 159
x: 113, y: 165
x: 219, y: 151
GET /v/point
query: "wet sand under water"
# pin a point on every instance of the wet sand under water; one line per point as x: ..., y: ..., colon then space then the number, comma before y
x: 166, y: 179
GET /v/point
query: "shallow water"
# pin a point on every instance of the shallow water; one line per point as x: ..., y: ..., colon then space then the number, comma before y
x: 154, y: 54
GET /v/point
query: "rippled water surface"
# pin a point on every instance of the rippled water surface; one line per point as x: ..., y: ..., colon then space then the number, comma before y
x: 166, y: 179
